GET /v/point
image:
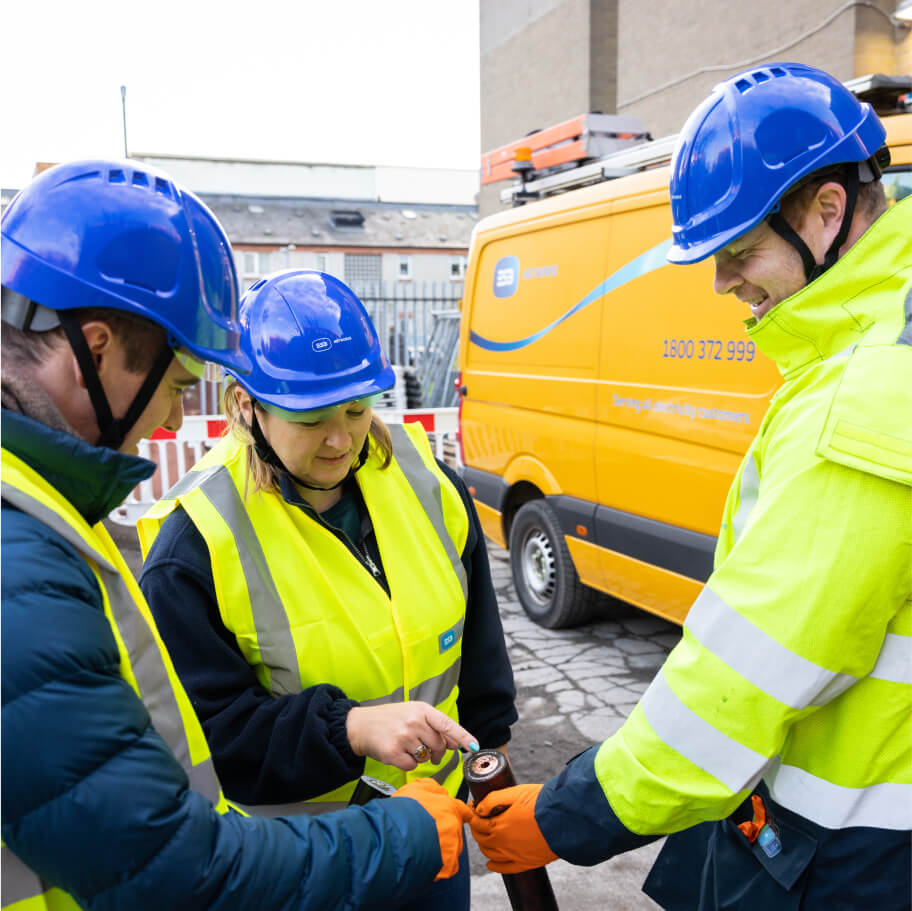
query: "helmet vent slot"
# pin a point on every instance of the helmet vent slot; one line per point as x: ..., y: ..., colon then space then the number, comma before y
x: 116, y: 176
x: 140, y: 179
x: 760, y: 76
x: 163, y: 187
x: 742, y: 85
x: 777, y: 71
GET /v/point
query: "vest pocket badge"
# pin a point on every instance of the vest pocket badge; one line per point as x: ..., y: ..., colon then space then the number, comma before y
x: 768, y: 839
x: 448, y: 639
x: 761, y: 829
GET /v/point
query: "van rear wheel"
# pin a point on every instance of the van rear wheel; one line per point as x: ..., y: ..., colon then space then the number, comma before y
x: 546, y: 580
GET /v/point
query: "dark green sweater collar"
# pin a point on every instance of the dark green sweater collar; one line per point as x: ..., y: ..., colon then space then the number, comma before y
x: 93, y: 478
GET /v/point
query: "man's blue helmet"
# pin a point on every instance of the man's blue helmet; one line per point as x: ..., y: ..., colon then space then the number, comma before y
x: 122, y: 235
x: 755, y: 136
x: 310, y: 341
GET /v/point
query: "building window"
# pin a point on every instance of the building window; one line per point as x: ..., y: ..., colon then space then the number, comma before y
x: 252, y: 266
x: 320, y: 262
x: 404, y: 268
x: 457, y: 268
x: 363, y: 267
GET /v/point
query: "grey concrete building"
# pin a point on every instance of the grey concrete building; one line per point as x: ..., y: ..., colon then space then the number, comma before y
x: 544, y: 61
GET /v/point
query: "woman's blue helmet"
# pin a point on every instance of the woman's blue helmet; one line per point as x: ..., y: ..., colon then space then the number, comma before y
x: 122, y: 235
x: 755, y: 136
x: 310, y: 341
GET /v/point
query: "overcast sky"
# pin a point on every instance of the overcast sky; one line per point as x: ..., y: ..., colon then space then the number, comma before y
x: 390, y: 82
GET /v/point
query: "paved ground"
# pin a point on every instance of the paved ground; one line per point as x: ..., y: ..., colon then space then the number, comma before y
x: 574, y: 689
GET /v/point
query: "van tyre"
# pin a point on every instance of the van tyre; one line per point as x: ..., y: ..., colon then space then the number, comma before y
x: 545, y: 578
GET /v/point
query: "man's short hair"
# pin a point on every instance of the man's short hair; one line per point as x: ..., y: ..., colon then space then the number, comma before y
x: 142, y: 339
x: 870, y: 205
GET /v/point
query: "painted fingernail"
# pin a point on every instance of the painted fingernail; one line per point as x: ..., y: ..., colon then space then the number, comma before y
x: 473, y: 746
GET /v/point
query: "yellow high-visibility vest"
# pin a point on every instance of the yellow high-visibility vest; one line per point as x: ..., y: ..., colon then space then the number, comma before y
x: 144, y: 663
x: 304, y: 609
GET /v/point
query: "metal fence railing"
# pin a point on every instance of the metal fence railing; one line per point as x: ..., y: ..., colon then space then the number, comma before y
x: 418, y: 325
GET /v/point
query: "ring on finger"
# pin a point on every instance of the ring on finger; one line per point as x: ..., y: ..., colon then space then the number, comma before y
x: 422, y: 753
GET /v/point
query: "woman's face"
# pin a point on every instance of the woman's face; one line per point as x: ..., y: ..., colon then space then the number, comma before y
x: 319, y: 453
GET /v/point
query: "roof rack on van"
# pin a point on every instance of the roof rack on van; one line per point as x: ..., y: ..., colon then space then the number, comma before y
x: 563, y: 157
x: 886, y: 94
x: 618, y: 164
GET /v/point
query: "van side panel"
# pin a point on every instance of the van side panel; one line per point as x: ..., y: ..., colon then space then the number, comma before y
x: 530, y: 370
x: 681, y: 391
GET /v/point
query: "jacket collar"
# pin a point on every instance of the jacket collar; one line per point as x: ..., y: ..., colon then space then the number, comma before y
x: 834, y: 311
x: 93, y: 478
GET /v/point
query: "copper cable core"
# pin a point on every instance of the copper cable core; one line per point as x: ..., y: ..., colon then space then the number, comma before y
x: 484, y: 765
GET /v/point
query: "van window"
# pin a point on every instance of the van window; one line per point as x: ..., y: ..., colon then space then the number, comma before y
x: 897, y: 185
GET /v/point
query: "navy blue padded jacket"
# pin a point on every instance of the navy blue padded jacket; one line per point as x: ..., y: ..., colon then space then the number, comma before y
x: 92, y: 798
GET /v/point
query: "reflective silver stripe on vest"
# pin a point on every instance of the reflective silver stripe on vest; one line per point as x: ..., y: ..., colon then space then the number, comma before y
x: 218, y: 486
x: 433, y: 690
x: 759, y: 658
x: 145, y: 658
x: 19, y: 881
x: 426, y: 485
x: 887, y: 805
x: 312, y: 808
x: 747, y: 495
x: 895, y: 660
x: 738, y: 767
x: 319, y: 807
x: 441, y: 775
x: 905, y: 337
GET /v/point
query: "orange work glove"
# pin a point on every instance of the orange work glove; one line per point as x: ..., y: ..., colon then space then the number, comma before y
x: 449, y: 815
x: 506, y: 831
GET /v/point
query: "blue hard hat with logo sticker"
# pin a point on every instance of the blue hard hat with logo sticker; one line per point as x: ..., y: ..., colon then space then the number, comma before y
x: 123, y: 235
x: 310, y: 341
x: 757, y: 134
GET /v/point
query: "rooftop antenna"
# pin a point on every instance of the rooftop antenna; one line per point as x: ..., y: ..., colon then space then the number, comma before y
x: 123, y: 105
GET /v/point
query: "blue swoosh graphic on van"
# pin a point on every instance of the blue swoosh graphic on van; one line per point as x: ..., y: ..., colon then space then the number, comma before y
x: 646, y: 262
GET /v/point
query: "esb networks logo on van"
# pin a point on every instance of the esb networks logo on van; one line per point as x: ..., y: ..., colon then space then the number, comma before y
x: 506, y: 276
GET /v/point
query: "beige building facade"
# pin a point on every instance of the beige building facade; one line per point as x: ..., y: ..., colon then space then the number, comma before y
x: 544, y: 61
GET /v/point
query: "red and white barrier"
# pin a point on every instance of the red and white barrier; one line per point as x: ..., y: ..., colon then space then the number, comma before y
x: 176, y: 452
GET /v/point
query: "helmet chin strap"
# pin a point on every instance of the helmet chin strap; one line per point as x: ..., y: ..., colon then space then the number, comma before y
x: 112, y: 431
x: 267, y: 454
x: 813, y: 269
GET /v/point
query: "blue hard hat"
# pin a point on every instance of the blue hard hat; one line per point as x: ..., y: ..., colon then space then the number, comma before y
x: 125, y: 236
x: 310, y: 341
x: 756, y: 135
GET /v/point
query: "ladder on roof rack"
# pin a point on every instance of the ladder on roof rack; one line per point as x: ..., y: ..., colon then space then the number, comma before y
x: 578, y: 139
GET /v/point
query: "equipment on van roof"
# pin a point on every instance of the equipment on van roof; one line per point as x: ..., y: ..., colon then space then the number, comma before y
x: 578, y: 151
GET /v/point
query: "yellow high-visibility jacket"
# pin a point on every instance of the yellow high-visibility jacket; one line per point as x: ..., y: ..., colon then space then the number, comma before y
x: 794, y: 674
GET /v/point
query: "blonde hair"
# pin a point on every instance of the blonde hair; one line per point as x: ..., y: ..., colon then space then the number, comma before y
x: 263, y: 476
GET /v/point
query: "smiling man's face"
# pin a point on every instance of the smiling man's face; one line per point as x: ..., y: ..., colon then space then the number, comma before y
x: 760, y: 269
